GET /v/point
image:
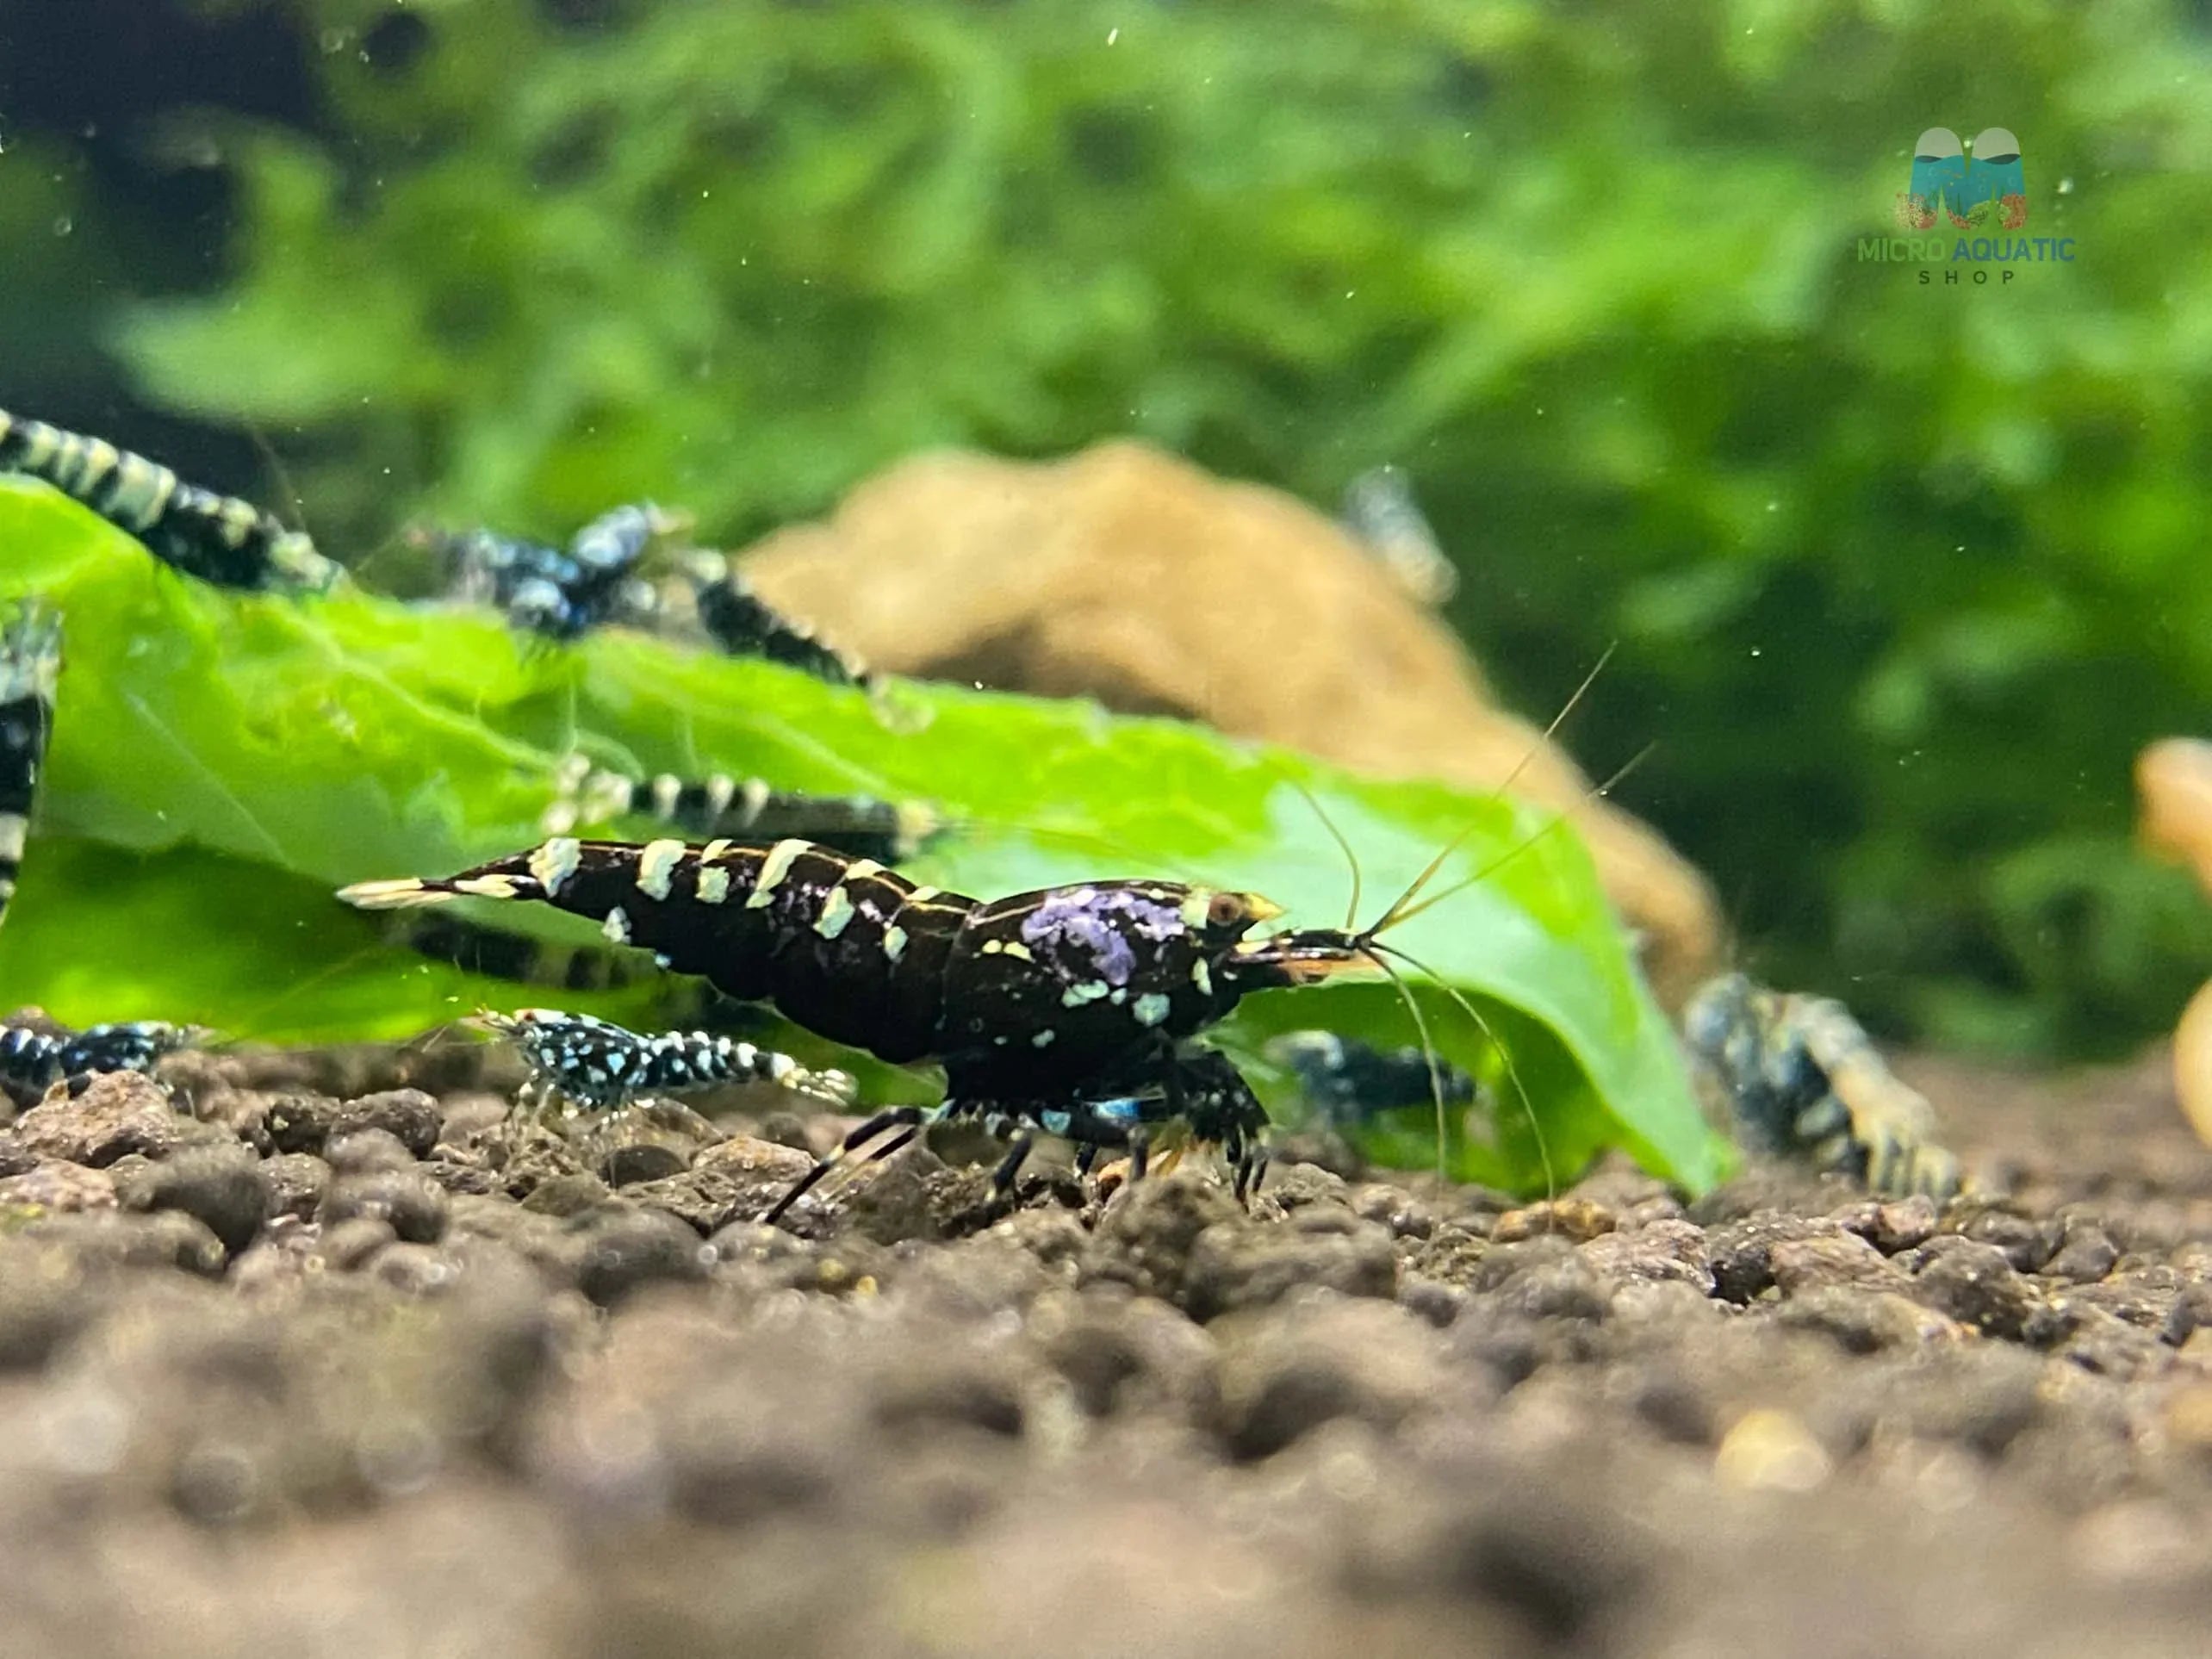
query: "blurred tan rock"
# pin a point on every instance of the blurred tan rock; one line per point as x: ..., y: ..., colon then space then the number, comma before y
x: 2173, y: 791
x: 1127, y: 574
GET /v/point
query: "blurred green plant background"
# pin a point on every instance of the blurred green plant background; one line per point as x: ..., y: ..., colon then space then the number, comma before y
x: 1903, y: 573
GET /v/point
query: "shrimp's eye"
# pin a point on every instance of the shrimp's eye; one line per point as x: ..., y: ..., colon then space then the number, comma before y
x: 1225, y: 910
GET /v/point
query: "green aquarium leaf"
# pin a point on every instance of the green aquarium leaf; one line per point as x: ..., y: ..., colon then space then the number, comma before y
x: 221, y: 762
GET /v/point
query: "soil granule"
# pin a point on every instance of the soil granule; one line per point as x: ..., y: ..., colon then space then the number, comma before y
x: 317, y: 1356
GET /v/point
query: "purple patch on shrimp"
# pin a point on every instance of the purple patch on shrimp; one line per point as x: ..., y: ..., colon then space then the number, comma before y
x: 1085, y: 933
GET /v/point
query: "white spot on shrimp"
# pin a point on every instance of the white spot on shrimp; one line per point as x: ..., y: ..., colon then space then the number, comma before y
x: 720, y: 788
x: 1196, y: 904
x: 668, y: 789
x: 1202, y: 977
x: 616, y: 926
x: 490, y: 887
x: 657, y: 867
x: 836, y: 912
x: 713, y: 884
x: 407, y: 893
x: 1043, y: 1039
x: 1019, y: 950
x: 773, y: 869
x: 923, y: 895
x: 1150, y: 1009
x: 894, y: 942
x: 1086, y: 991
x: 714, y: 850
x: 863, y: 869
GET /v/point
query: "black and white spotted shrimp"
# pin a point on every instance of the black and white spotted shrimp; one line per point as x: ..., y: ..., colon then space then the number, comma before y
x: 1379, y: 508
x: 747, y: 810
x: 217, y: 538
x: 741, y: 622
x: 34, y: 1058
x: 596, y: 1066
x: 561, y: 593
x: 1060, y: 1007
x: 30, y: 665
x: 1349, y: 1083
x: 1800, y: 1078
x: 1069, y: 1010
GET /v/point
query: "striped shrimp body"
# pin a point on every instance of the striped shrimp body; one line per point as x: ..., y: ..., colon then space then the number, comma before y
x: 217, y: 538
x: 1800, y: 1077
x: 561, y: 594
x: 1049, y: 1001
x: 742, y: 624
x: 747, y: 810
x: 33, y: 1058
x: 30, y: 665
x: 1349, y: 1083
x: 598, y: 1066
x: 1021, y: 995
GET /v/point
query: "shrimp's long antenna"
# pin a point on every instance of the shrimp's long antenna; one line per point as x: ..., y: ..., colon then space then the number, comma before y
x: 1402, y: 911
x: 1560, y: 719
x: 1398, y: 910
x: 1404, y: 907
x: 292, y: 992
x: 1428, y: 1053
x: 280, y: 473
x: 1513, y: 1071
x: 1352, y: 910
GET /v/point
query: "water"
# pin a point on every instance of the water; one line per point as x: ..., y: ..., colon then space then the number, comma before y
x: 1599, y: 292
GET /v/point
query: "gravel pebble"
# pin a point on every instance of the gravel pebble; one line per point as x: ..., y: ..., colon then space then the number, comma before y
x: 1146, y: 1237
x: 409, y: 1115
x: 1975, y: 1284
x: 2085, y: 1252
x: 45, y: 1297
x: 114, y: 1239
x: 574, y: 1192
x: 2027, y: 1243
x: 1797, y: 1265
x: 1372, y: 1417
x: 297, y: 1183
x: 1243, y: 1264
x: 1283, y: 1373
x: 366, y: 1149
x: 1866, y: 1324
x: 731, y: 1182
x: 119, y: 1114
x: 412, y: 1204
x: 1576, y: 1220
x: 625, y: 1249
x: 349, y: 1244
x: 222, y: 1186
x: 1667, y: 1250
x: 299, y: 1123
x: 52, y: 1186
x: 1894, y: 1226
x: 644, y: 1161
x: 1741, y: 1251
